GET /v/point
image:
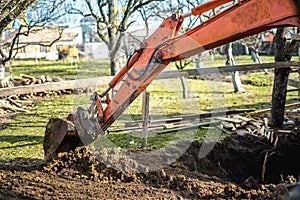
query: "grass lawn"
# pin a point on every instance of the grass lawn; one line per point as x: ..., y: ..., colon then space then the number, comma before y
x: 62, y: 69
x: 22, y: 137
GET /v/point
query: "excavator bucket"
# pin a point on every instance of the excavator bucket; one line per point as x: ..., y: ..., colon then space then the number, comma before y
x: 64, y: 135
x: 60, y: 136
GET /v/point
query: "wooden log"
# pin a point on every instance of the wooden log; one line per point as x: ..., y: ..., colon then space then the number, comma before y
x: 17, y: 81
x: 177, y: 125
x: 25, y: 102
x: 264, y: 111
x: 189, y: 117
x: 26, y: 82
x: 293, y: 90
x: 134, y: 128
x: 38, y: 81
x: 249, y: 67
x: 154, y: 122
x: 230, y: 120
x: 14, y: 102
x: 189, y: 126
x: 6, y: 105
x: 43, y: 79
x: 4, y: 82
x: 172, y: 74
x: 227, y: 125
x: 31, y: 78
x: 256, y: 124
x: 57, y: 79
x: 245, y: 119
x: 294, y: 83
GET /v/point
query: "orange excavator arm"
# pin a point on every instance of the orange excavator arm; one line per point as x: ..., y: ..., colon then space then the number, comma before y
x: 243, y: 19
x: 165, y: 45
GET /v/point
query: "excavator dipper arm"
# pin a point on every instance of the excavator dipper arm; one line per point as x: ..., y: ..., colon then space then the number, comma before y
x: 165, y: 45
x: 243, y: 19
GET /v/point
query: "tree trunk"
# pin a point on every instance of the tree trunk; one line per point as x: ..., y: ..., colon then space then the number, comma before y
x: 280, y: 80
x: 198, y: 61
x: 279, y: 96
x: 237, y: 84
x: 113, y: 68
x: 2, y: 71
x: 185, y: 93
x: 256, y: 58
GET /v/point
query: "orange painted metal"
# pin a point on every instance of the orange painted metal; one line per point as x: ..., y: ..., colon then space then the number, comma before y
x: 122, y: 72
x: 98, y: 106
x: 208, y: 6
x: 243, y: 19
x: 143, y: 71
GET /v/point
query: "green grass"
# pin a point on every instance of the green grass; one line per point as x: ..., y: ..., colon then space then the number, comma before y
x: 22, y: 137
x: 63, y: 69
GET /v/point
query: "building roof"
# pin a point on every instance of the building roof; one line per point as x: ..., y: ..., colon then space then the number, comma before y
x: 42, y: 35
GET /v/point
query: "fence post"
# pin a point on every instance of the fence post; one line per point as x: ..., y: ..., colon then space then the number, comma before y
x: 145, y: 117
x: 299, y: 81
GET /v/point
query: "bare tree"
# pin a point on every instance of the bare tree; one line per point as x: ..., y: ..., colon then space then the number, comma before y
x: 237, y: 84
x: 253, y: 43
x: 39, y: 14
x: 166, y: 9
x: 10, y: 10
x: 111, y: 23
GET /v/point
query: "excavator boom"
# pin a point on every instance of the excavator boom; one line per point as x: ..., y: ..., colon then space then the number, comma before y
x: 165, y: 45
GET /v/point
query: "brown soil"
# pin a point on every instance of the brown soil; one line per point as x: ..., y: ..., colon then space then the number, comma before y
x: 232, y: 170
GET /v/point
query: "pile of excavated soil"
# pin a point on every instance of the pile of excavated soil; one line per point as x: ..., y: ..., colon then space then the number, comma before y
x: 82, y: 164
x: 232, y: 170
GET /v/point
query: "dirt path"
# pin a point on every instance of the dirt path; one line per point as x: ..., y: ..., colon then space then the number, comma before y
x: 232, y: 170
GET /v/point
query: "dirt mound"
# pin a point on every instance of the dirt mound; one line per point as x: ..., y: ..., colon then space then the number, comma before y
x: 199, y: 186
x: 80, y: 163
x: 232, y: 170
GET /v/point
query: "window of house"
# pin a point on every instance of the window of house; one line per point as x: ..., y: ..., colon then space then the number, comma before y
x: 22, y: 50
x: 44, y: 49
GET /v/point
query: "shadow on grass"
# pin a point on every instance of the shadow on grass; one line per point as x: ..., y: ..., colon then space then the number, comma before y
x: 3, y: 126
x: 21, y: 145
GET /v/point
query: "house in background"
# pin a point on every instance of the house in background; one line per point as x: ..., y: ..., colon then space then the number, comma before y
x: 95, y: 48
x: 42, y: 42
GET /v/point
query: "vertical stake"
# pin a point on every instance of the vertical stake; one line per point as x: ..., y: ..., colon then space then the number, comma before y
x: 145, y: 117
x: 299, y: 81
